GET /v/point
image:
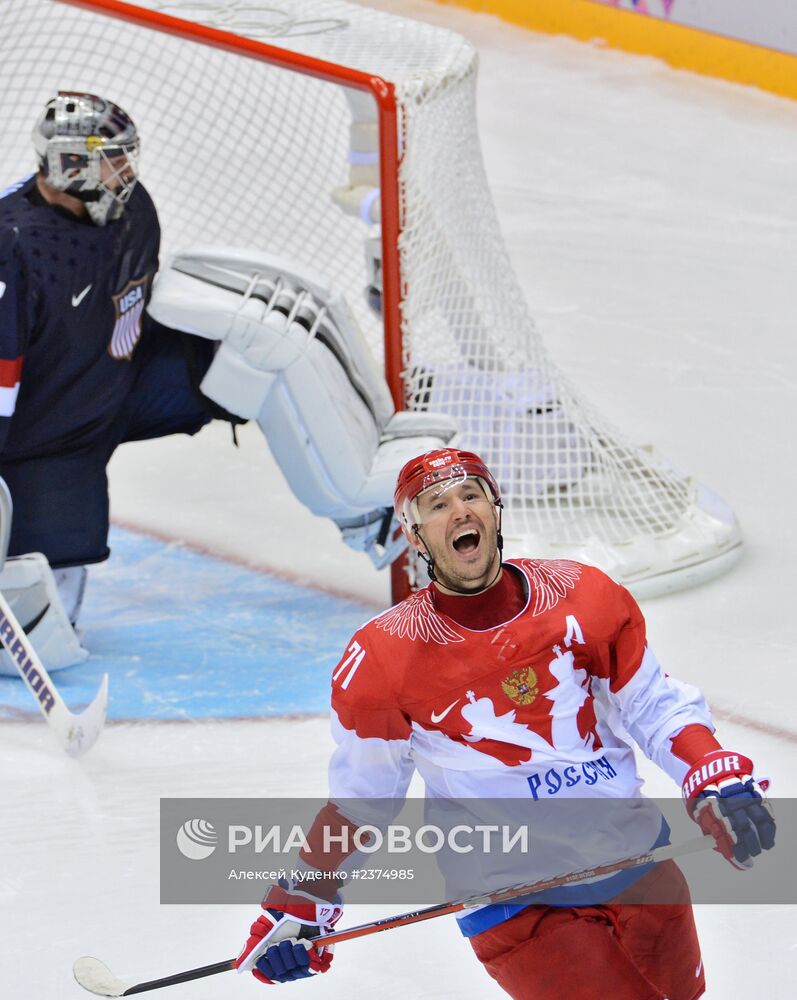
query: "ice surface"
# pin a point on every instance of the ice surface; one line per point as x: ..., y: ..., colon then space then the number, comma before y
x: 651, y: 217
x: 80, y: 871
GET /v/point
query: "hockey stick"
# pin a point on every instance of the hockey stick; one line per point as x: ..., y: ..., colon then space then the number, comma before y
x: 657, y: 855
x: 97, y: 978
x: 75, y: 733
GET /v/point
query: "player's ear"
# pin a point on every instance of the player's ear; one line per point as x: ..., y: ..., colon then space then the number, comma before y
x: 412, y: 536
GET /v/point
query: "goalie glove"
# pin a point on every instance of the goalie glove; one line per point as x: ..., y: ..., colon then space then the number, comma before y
x: 726, y: 802
x: 279, y: 948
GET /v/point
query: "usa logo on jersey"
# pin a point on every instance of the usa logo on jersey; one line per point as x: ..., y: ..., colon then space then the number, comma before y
x: 129, y: 305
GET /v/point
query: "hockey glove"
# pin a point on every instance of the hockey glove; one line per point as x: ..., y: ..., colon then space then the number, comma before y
x: 726, y: 802
x: 279, y: 948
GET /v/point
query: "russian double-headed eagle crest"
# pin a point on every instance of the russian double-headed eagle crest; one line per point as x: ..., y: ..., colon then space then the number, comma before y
x: 521, y: 686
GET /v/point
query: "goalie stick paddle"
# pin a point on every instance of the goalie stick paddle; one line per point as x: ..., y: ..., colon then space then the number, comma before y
x: 75, y: 733
x: 94, y: 976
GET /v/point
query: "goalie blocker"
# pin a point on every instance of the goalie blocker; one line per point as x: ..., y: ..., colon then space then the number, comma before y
x: 292, y: 357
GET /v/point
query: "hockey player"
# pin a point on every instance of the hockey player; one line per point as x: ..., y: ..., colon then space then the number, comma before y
x: 82, y: 367
x: 519, y: 680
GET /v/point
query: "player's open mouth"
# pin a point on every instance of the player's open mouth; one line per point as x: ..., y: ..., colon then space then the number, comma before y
x: 466, y: 542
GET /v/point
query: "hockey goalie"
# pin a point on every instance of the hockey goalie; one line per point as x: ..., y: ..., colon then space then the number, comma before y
x: 84, y: 367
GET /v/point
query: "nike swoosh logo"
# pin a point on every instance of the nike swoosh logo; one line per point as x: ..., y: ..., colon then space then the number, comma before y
x: 699, y: 967
x: 439, y: 718
x: 77, y: 299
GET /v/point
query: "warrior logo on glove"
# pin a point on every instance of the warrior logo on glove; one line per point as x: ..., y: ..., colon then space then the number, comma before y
x: 726, y: 802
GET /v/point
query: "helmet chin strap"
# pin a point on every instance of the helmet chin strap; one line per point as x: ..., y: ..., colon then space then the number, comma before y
x: 425, y: 555
x: 430, y: 562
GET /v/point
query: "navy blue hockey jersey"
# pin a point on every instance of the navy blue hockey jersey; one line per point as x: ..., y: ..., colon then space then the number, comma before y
x: 72, y: 298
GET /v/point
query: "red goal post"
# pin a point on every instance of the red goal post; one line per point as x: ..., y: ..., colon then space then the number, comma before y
x: 318, y: 129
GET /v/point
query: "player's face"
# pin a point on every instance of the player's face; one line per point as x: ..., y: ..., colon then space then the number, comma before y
x: 117, y: 172
x: 459, y: 530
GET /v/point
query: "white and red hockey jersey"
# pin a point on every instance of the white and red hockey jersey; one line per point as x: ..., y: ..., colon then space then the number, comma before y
x: 540, y: 706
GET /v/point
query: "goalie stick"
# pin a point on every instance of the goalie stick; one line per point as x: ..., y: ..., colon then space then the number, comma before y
x: 94, y: 976
x: 75, y: 733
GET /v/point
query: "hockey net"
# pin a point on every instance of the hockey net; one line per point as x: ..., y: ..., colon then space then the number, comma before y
x: 277, y: 129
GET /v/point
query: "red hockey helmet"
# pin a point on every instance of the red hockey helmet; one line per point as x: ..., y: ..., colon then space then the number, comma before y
x: 450, y: 465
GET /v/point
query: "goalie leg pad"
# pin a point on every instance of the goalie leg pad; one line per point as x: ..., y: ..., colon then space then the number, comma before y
x: 71, y: 585
x: 28, y: 584
x: 234, y: 384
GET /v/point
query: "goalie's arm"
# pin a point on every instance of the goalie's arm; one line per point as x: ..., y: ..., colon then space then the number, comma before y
x: 14, y: 296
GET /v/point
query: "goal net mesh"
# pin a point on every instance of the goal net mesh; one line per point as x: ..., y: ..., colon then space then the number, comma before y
x: 239, y: 152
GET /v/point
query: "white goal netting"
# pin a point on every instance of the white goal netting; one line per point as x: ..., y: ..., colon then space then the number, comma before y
x: 237, y: 151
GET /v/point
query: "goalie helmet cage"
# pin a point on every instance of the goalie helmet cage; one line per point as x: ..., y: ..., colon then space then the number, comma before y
x: 314, y: 129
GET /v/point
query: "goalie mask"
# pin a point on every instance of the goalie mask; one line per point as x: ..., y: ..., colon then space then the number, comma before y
x: 88, y: 147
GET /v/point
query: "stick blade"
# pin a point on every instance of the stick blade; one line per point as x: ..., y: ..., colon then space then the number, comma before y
x: 79, y: 733
x: 94, y: 976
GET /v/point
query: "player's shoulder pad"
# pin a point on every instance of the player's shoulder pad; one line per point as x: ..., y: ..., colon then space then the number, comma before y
x: 382, y: 649
x: 16, y: 211
x: 23, y: 186
x: 416, y: 620
x: 564, y: 581
x: 550, y: 580
x: 141, y: 200
x: 24, y: 220
x: 360, y: 659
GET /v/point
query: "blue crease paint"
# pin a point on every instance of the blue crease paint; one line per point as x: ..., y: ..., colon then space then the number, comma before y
x: 184, y: 635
